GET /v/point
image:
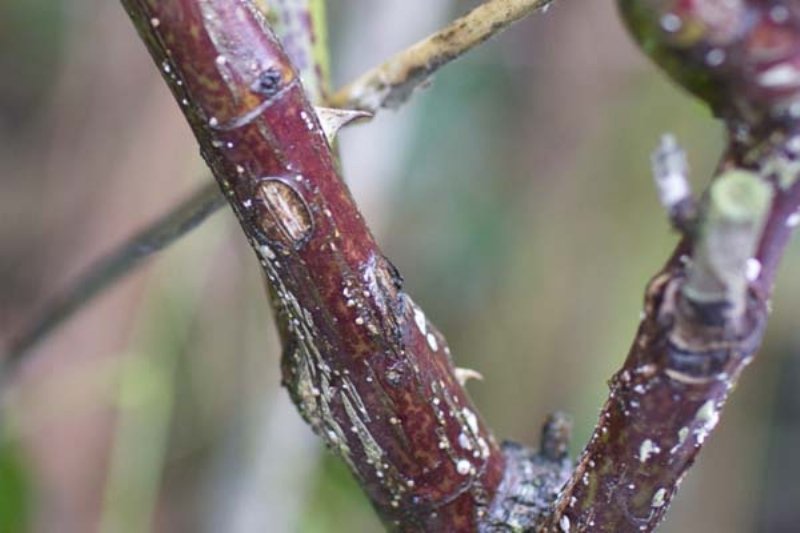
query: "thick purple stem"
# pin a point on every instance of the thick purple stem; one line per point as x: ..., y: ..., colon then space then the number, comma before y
x: 363, y: 364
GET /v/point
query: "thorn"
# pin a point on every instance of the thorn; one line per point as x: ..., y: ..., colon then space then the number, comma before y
x: 332, y: 120
x: 465, y: 374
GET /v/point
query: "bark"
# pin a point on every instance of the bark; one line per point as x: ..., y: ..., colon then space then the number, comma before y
x: 691, y: 347
x: 365, y: 367
x: 373, y: 376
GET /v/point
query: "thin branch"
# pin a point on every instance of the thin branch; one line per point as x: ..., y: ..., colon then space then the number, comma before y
x: 300, y: 25
x: 130, y: 254
x: 298, y: 22
x: 392, y: 83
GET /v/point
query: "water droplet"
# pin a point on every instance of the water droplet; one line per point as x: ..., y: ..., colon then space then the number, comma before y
x: 671, y: 22
x: 715, y: 57
x: 779, y: 14
x: 753, y: 269
x: 463, y: 467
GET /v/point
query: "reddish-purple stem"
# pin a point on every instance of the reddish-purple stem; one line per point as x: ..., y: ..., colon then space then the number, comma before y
x: 367, y: 370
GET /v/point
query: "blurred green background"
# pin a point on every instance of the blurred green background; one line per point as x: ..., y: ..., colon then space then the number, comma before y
x: 513, y: 194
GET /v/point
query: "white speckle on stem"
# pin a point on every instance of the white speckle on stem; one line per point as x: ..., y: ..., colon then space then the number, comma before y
x: 432, y: 342
x: 659, y: 498
x: 419, y: 319
x: 782, y: 75
x: 266, y: 252
x: 752, y: 269
x: 715, y: 57
x: 779, y: 14
x: 671, y: 22
x: 708, y: 416
x: 647, y: 448
x: 463, y: 467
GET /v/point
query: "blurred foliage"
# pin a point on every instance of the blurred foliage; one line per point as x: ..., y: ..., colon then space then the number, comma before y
x: 15, y: 489
x: 336, y: 502
x: 33, y: 30
x: 522, y: 217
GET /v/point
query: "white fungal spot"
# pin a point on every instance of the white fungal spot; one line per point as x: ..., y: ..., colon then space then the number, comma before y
x: 752, y: 269
x: 659, y: 498
x: 647, y: 448
x: 432, y: 342
x: 471, y: 419
x: 564, y: 524
x: 779, y: 14
x: 154, y: 22
x: 782, y: 75
x: 708, y: 416
x: 463, y: 467
x: 671, y: 22
x: 715, y: 57
x: 484, y: 446
x: 793, y: 145
x: 266, y: 252
x: 307, y: 120
x: 221, y: 60
x: 682, y: 434
x: 213, y: 122
x: 419, y: 319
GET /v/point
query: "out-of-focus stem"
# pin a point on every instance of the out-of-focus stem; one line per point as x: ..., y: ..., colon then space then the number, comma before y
x: 110, y: 268
x: 391, y: 83
x: 302, y: 23
x: 301, y: 27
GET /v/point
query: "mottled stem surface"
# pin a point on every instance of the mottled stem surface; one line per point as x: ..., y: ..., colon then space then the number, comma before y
x: 365, y: 367
x: 371, y: 374
x: 705, y: 313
